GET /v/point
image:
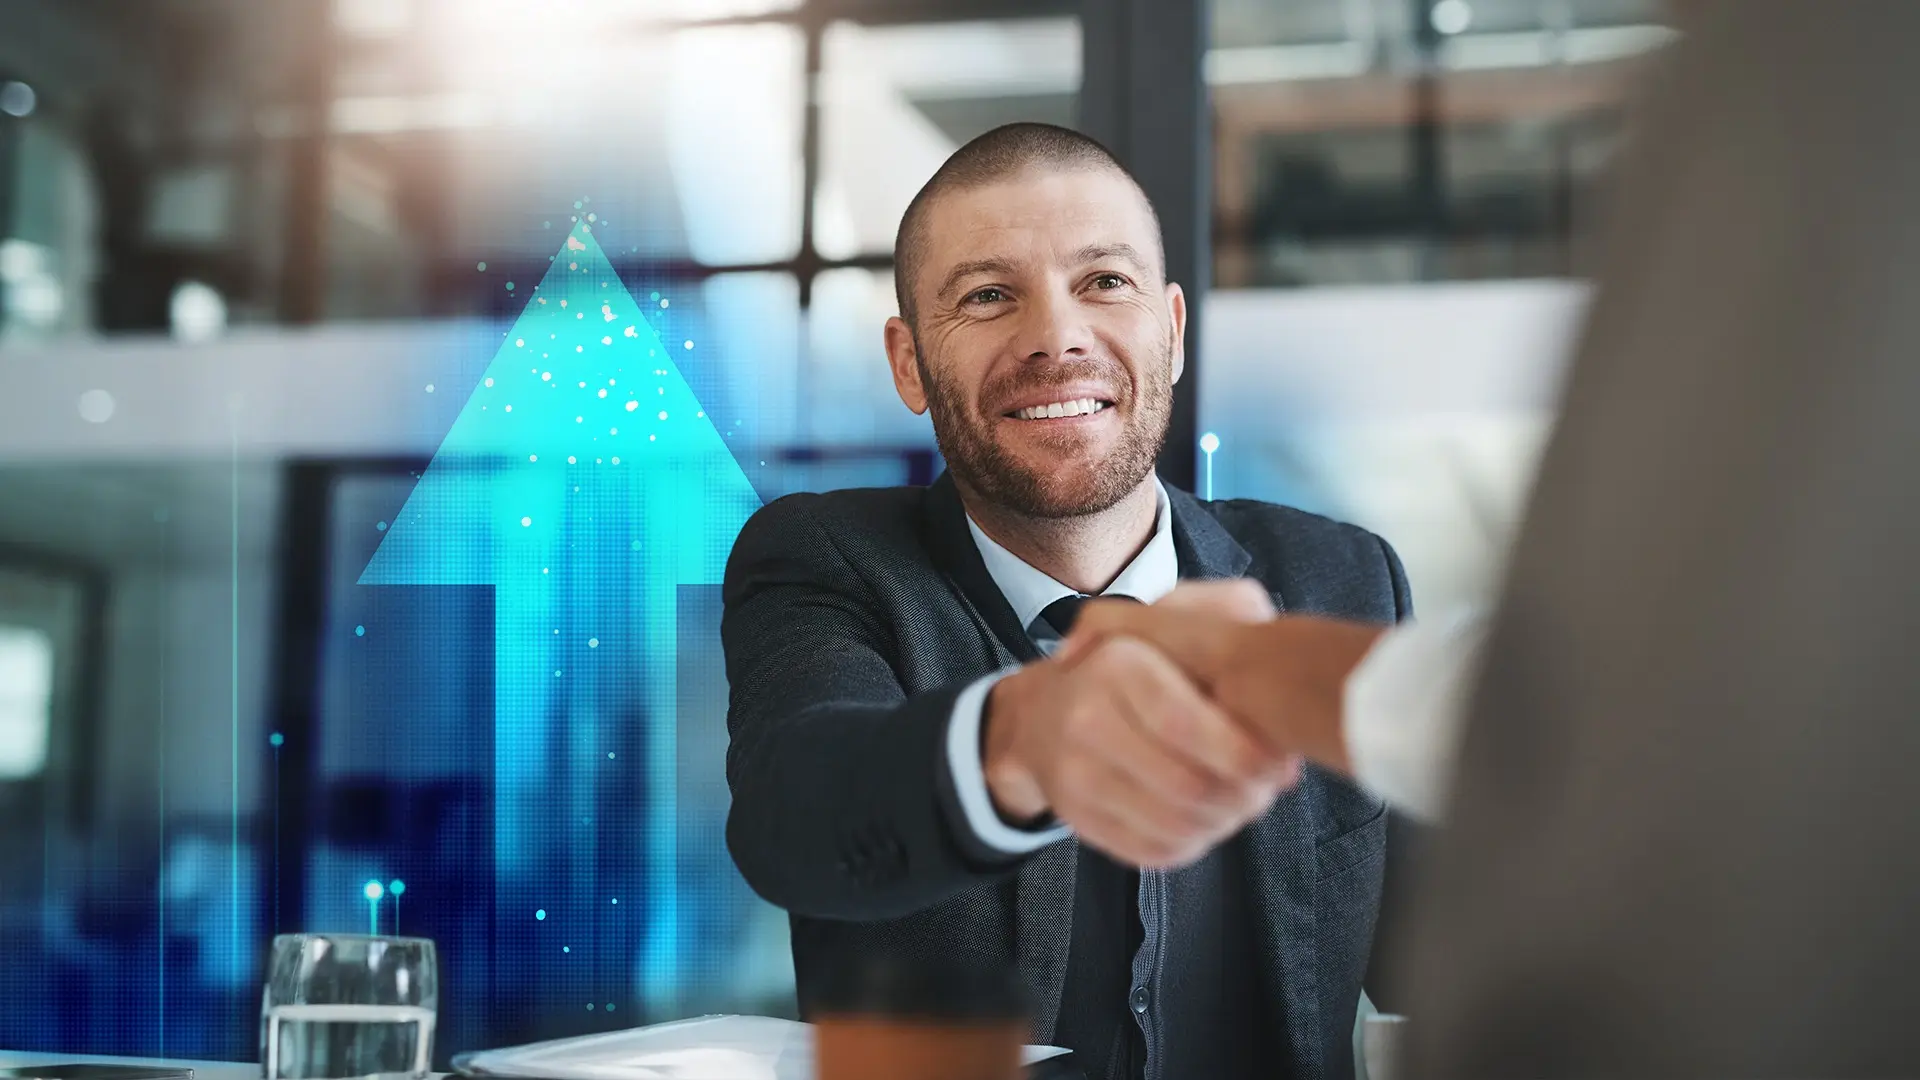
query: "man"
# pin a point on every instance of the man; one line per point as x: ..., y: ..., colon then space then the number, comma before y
x: 1684, y: 839
x: 916, y: 782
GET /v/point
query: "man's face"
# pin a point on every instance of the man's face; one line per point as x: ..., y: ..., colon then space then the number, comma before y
x: 1048, y: 341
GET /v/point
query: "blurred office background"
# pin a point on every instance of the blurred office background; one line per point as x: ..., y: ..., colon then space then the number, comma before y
x: 254, y: 256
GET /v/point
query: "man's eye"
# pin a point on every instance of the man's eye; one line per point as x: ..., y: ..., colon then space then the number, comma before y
x: 1109, y: 281
x: 986, y: 296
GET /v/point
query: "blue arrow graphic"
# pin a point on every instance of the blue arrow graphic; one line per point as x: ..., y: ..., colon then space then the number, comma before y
x: 585, y: 483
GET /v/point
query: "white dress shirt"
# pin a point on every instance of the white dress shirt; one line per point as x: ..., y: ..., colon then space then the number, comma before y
x: 1151, y: 575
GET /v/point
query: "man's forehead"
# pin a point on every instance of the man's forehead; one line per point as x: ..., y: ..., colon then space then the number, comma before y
x: 1040, y: 214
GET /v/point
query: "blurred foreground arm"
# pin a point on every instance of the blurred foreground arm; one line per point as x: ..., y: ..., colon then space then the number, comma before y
x: 1382, y: 705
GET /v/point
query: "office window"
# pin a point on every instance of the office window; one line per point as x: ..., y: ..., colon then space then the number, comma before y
x: 1369, y: 141
x: 26, y: 702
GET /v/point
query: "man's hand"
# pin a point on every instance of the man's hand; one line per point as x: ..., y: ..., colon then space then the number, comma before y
x: 1284, y: 678
x: 1116, y: 742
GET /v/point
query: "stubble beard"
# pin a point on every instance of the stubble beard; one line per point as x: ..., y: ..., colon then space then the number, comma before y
x: 1070, y: 488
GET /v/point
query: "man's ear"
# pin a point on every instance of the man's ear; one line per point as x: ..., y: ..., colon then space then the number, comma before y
x: 1177, y: 309
x: 904, y: 358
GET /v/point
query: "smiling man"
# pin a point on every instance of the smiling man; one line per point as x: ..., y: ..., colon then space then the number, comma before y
x: 916, y: 779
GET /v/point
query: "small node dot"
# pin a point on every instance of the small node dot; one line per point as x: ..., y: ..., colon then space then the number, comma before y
x: 653, y: 296
x: 489, y: 382
x: 518, y: 343
x: 593, y: 643
x: 608, y: 340
x: 664, y: 303
x: 616, y: 899
x: 509, y: 286
x: 609, y: 1006
x: 359, y: 631
x: 480, y: 266
x: 277, y: 739
x: 579, y: 348
x: 429, y: 388
x: 571, y: 460
x: 381, y: 526
x: 509, y: 408
x: 533, y: 457
x: 613, y: 431
x: 589, y: 1006
x: 603, y: 393
x: 396, y: 886
x: 541, y: 914
x: 688, y: 343
x: 546, y: 376
x: 525, y: 521
x: 663, y: 414
x: 616, y: 461
x: 583, y: 384
x: 566, y: 948
x: 374, y: 890
x: 653, y: 438
x: 635, y: 545
x: 609, y: 753
x: 579, y: 419
x: 632, y: 405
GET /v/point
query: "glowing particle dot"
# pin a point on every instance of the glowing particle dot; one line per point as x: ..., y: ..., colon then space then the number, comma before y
x: 595, y: 217
x: 663, y: 414
x: 277, y: 739
x: 573, y: 266
x: 653, y: 438
x: 525, y: 521
x: 509, y: 408
x: 489, y: 382
x: 688, y: 343
x: 563, y: 303
x: 374, y: 890
x: 579, y: 419
x: 583, y: 384
x: 616, y: 461
x: 381, y: 526
x: 545, y: 570
x: 616, y: 899
x: 359, y: 631
x: 1209, y: 442
x: 609, y: 755
x: 429, y: 388
x: 533, y: 457
x: 609, y: 382
x: 396, y: 886
x: 589, y: 1006
x: 579, y: 348
x: 518, y: 343
x: 509, y: 286
x: 664, y: 303
x: 556, y: 673
x: 603, y: 393
x: 576, y: 206
x: 613, y: 431
x: 635, y: 545
x: 566, y: 948
x: 608, y: 340
x: 593, y: 643
x: 541, y: 914
x: 481, y: 266
x: 653, y: 296
x: 663, y: 390
x: 571, y: 460
x: 632, y: 405
x: 546, y: 376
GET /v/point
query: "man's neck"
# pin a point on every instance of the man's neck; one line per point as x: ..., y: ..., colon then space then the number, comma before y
x: 1083, y: 553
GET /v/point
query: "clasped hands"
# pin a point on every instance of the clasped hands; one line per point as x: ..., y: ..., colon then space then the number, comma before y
x: 1158, y: 731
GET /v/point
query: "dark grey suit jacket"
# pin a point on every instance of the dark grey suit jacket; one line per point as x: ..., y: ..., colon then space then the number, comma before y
x: 1686, y: 839
x: 853, y: 620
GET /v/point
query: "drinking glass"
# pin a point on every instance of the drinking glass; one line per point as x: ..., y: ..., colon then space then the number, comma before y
x: 348, y: 1005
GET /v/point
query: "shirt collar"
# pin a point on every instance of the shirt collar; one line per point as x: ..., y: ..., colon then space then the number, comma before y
x: 1151, y: 575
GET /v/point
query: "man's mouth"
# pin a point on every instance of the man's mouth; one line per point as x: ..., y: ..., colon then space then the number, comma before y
x: 1056, y: 410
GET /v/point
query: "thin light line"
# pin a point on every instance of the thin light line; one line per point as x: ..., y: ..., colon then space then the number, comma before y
x: 1209, y: 476
x: 161, y: 889
x: 276, y: 839
x: 234, y: 693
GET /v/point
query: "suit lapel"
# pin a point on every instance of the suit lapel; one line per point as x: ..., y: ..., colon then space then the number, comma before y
x: 955, y: 553
x: 1277, y: 848
x: 1043, y: 887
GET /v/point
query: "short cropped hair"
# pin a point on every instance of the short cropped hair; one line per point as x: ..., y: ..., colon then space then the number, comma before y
x: 1000, y: 153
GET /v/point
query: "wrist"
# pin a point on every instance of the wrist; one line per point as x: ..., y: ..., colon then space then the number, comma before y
x: 1011, y: 785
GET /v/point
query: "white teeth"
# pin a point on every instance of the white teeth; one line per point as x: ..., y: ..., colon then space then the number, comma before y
x: 1076, y: 407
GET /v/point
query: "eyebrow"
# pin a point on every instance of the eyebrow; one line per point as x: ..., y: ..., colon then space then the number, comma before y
x: 1100, y: 252
x: 1089, y: 254
x: 968, y: 269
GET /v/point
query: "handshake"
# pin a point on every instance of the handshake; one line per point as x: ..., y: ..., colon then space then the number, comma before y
x: 1156, y: 732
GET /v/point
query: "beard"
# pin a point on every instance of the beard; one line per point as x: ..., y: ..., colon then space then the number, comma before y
x: 1072, y: 485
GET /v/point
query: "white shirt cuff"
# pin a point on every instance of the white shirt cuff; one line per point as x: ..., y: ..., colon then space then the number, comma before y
x: 970, y: 777
x: 1403, y: 708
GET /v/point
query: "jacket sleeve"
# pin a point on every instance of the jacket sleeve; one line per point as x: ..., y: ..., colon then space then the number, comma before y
x: 842, y: 797
x: 1407, y: 843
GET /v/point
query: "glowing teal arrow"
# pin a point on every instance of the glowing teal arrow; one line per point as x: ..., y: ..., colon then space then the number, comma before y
x: 585, y: 483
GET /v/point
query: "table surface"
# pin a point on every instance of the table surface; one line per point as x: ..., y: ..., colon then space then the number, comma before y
x: 202, y: 1070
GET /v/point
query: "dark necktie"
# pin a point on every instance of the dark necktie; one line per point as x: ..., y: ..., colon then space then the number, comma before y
x: 1061, y: 613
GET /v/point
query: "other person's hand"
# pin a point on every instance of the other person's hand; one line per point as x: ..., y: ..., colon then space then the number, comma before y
x: 1120, y: 745
x: 1284, y: 678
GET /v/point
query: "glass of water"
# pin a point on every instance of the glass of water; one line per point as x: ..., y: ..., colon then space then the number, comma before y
x: 348, y: 1005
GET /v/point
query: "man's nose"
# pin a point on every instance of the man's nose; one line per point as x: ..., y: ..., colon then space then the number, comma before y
x: 1053, y: 327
